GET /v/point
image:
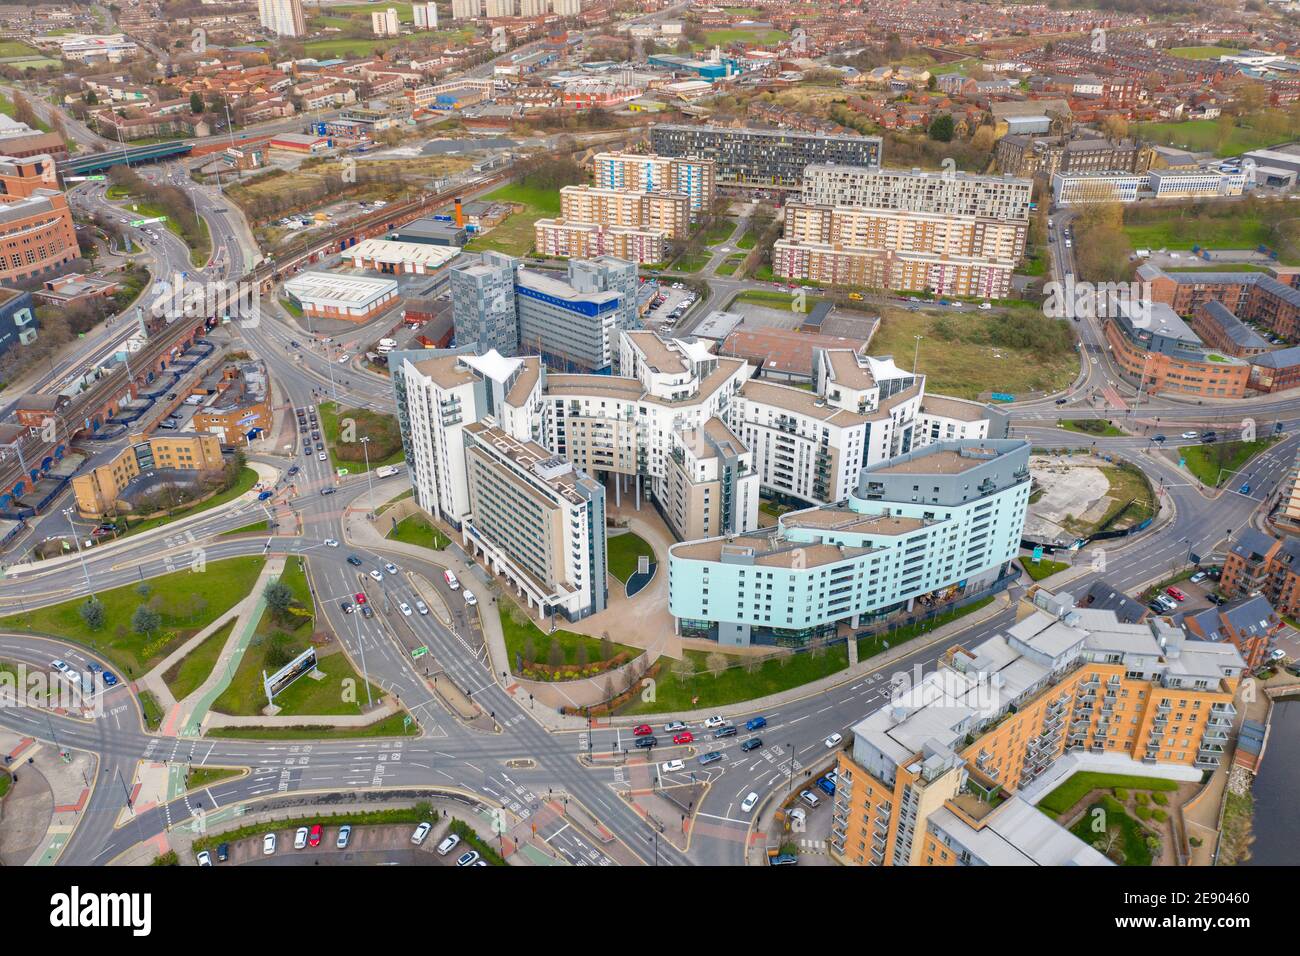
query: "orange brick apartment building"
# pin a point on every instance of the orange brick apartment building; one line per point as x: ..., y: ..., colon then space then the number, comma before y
x: 36, y: 229
x: 935, y: 778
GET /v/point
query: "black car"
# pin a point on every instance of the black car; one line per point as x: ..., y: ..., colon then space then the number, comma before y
x: 1061, y: 401
x: 223, y: 852
x: 293, y: 470
x: 327, y: 491
x: 645, y: 742
x: 345, y: 607
x: 1209, y: 437
x: 366, y: 611
x: 1158, y: 438
x: 753, y: 743
x: 354, y: 560
x: 727, y: 731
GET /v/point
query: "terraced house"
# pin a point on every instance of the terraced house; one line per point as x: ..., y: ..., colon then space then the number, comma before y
x: 944, y: 773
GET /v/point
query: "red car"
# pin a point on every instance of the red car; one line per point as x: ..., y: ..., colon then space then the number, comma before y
x: 1176, y: 594
x: 685, y: 737
x: 360, y: 597
x: 313, y: 838
x: 641, y: 730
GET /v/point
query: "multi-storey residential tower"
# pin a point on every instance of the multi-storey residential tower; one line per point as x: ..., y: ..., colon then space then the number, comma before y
x: 693, y: 177
x: 763, y: 157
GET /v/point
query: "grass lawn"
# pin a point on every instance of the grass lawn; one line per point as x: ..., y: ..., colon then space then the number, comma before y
x: 417, y: 530
x: 729, y: 265
x: 262, y: 525
x: 381, y: 429
x: 674, y: 692
x: 1043, y: 568
x: 957, y: 359
x: 1130, y: 836
x: 201, y: 777
x: 724, y: 38
x: 720, y: 231
x: 622, y: 552
x: 1202, y: 52
x: 188, y: 602
x: 1222, y: 267
x: 516, y: 235
x: 6, y: 104
x: 247, y: 478
x: 519, y: 630
x: 394, y: 726
x: 245, y: 697
x: 185, y: 676
x: 5, y: 782
x: 343, y: 48
x: 875, y: 643
x: 747, y: 241
x: 1079, y: 785
x: 1227, y: 232
x: 1217, y: 463
x: 1095, y: 427
x: 1202, y: 136
x: 774, y: 298
x: 691, y: 263
x: 144, y: 210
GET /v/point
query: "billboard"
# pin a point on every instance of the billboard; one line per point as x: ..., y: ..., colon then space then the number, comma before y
x: 304, y: 663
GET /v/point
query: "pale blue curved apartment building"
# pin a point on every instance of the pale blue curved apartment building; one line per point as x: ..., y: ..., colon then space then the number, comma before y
x: 934, y: 523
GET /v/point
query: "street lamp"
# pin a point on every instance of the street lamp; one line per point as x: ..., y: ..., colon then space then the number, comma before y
x: 76, y: 540
x: 370, y: 482
x: 916, y: 352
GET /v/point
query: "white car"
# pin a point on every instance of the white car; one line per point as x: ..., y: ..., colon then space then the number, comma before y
x: 833, y: 741
x: 390, y: 568
x: 60, y: 666
x: 748, y: 803
x: 799, y: 814
x: 421, y: 607
x: 1277, y: 654
x: 420, y: 833
x: 715, y: 721
x: 674, y: 727
x: 343, y: 360
x: 377, y: 576
x: 1188, y: 435
x: 322, y: 457
x: 405, y: 609
x: 205, y: 858
x: 468, y: 859
x: 986, y: 305
x: 449, y: 843
x: 331, y: 542
x: 300, y: 838
x: 268, y: 844
x: 673, y: 766
x: 470, y: 599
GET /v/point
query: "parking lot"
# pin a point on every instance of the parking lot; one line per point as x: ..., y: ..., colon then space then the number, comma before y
x: 672, y: 300
x: 369, y: 846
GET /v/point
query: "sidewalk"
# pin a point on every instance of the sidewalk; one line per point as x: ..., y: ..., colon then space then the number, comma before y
x: 47, y: 826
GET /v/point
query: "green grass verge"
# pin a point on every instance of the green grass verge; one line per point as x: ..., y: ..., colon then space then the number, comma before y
x: 381, y: 428
x: 519, y: 631
x: 392, y: 726
x: 187, y: 674
x: 1123, y: 834
x: 262, y: 525
x: 622, y: 551
x: 1216, y: 464
x: 416, y: 530
x: 1042, y: 569
x: 469, y: 836
x: 188, y: 601
x: 201, y: 777
x: 516, y: 235
x: 150, y: 709
x: 1091, y: 426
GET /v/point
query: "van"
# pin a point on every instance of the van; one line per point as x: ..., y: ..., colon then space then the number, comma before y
x: 452, y: 581
x: 386, y: 344
x: 811, y: 799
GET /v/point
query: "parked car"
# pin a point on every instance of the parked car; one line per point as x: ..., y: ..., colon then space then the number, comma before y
x: 1198, y: 577
x: 1176, y: 594
x: 223, y: 852
x: 811, y: 799
x: 268, y: 844
x: 468, y: 859
x: 783, y: 859
x: 345, y: 837
x: 204, y: 858
x: 449, y: 843
x: 421, y: 832
x: 313, y: 837
x: 825, y: 786
x: 300, y: 838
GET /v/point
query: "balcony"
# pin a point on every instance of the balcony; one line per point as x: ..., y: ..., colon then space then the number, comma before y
x: 1206, y: 763
x: 1226, y: 710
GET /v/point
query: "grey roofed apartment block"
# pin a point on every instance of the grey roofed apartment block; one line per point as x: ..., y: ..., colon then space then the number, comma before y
x: 763, y: 157
x: 947, y: 473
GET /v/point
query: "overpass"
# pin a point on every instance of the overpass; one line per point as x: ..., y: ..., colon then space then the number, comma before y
x: 98, y: 162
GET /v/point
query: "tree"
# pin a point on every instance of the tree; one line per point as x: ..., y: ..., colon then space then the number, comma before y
x: 196, y: 103
x: 984, y: 139
x: 606, y: 647
x: 1114, y: 127
x: 145, y: 620
x: 279, y: 598
x: 941, y: 128
x: 91, y: 98
x: 684, y: 669
x: 92, y: 614
x: 582, y: 654
x: 716, y: 664
x: 555, y: 654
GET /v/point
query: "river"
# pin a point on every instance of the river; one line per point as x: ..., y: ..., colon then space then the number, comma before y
x: 1277, y: 819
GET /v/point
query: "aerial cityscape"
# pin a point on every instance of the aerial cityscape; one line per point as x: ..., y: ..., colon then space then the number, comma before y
x: 629, y: 433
